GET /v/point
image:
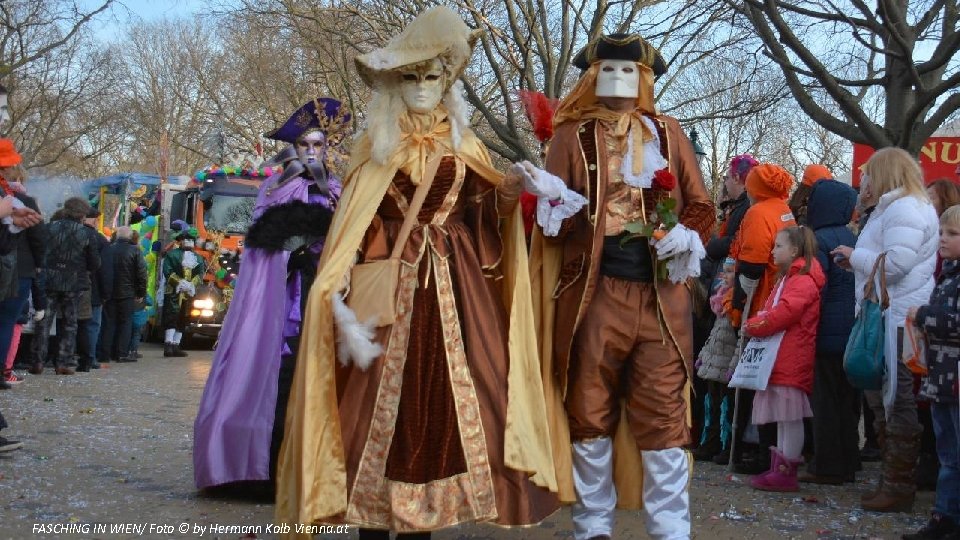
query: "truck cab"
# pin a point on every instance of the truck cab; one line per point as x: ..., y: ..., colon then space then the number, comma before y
x: 219, y: 203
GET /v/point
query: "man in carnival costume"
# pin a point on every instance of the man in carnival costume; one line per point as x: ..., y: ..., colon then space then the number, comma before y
x: 616, y: 338
x: 444, y: 421
x: 183, y: 273
x: 239, y: 425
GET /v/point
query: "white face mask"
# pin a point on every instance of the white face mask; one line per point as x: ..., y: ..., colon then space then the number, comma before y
x: 618, y: 78
x: 310, y: 147
x: 422, y: 89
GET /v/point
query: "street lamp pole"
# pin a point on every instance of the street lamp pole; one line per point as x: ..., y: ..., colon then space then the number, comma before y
x: 697, y: 149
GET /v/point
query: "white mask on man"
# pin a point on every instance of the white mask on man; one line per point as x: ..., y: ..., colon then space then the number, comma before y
x: 618, y: 78
x: 422, y: 89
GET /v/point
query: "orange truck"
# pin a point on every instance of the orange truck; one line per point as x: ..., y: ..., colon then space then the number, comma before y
x: 218, y: 202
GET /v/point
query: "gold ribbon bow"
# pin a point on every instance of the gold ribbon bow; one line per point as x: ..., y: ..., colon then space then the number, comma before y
x: 421, y: 136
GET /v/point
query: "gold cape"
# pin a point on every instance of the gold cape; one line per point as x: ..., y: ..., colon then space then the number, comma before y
x: 311, y: 473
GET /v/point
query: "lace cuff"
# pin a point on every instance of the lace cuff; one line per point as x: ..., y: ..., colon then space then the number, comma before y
x: 551, y: 216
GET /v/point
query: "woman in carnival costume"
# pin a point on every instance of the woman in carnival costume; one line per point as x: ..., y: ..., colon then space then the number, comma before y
x: 443, y: 421
x: 239, y: 424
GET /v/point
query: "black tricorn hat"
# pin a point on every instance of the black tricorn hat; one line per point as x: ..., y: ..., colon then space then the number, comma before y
x: 621, y: 47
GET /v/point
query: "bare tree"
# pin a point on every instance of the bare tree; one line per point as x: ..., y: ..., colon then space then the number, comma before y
x: 841, y: 60
x: 32, y: 29
x: 59, y: 79
x: 525, y: 45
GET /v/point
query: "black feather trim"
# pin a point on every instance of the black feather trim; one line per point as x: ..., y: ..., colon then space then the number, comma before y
x: 281, y: 222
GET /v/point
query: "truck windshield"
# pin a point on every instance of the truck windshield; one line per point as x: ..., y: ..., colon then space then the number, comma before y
x: 228, y: 213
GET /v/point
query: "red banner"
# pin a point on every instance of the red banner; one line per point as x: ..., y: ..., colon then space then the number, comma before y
x: 939, y: 158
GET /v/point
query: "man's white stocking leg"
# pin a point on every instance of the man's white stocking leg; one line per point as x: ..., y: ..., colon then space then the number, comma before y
x: 596, y: 494
x: 168, y: 335
x: 666, y: 500
x: 177, y: 337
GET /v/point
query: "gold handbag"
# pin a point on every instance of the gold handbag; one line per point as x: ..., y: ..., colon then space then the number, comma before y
x: 373, y: 285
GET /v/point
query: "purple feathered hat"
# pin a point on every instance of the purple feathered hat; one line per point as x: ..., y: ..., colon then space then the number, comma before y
x: 323, y: 114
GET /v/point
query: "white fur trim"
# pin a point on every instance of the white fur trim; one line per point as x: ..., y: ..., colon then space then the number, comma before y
x: 457, y: 113
x: 653, y: 160
x: 355, y: 340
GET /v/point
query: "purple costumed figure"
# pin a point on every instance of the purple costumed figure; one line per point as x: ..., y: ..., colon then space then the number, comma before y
x: 239, y: 425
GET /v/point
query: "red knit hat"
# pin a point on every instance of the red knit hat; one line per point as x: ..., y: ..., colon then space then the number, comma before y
x: 767, y: 181
x: 8, y: 154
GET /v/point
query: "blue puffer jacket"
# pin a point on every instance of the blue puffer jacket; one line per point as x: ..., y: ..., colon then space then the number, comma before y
x: 829, y: 210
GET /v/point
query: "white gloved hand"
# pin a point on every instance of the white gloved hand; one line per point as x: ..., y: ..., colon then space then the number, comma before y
x: 38, y: 315
x: 538, y: 181
x: 186, y: 287
x: 676, y: 241
x: 683, y: 266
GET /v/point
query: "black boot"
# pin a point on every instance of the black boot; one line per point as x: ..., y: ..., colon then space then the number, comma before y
x: 168, y: 350
x: 178, y: 352
x: 937, y: 528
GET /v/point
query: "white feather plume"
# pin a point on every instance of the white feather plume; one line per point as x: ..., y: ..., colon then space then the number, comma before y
x: 355, y: 340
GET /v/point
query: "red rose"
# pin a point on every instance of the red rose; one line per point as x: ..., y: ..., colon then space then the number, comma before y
x: 664, y: 179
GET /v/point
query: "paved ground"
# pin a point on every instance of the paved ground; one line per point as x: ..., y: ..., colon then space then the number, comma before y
x: 113, y: 447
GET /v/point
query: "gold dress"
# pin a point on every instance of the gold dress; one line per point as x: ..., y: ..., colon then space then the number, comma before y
x: 423, y: 427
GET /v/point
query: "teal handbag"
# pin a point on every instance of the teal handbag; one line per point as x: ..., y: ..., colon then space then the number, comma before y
x: 863, y: 359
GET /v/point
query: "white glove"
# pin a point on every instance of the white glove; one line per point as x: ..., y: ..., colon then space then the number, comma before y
x: 683, y: 266
x: 677, y: 241
x: 538, y: 181
x: 187, y: 287
x: 38, y: 315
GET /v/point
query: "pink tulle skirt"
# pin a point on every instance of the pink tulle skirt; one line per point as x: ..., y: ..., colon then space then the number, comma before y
x: 780, y: 404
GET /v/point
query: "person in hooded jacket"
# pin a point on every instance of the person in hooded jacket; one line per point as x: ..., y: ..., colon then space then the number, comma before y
x: 836, y: 404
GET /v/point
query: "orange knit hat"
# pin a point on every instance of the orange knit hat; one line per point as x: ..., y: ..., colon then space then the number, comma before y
x: 8, y: 154
x: 767, y: 181
x: 815, y: 172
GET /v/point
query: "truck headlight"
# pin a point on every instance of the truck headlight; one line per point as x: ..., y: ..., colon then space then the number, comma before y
x: 203, y: 303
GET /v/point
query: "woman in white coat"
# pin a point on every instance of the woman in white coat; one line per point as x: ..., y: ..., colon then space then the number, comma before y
x: 903, y: 225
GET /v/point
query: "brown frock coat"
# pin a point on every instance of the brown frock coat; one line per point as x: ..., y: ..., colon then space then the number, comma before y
x: 575, y: 154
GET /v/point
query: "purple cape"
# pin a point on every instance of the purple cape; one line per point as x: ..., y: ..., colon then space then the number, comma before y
x: 232, y: 432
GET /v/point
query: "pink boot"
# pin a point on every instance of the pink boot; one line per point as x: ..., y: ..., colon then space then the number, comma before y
x: 782, y: 475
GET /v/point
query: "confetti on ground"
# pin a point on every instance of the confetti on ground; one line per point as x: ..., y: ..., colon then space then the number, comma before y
x: 129, y: 459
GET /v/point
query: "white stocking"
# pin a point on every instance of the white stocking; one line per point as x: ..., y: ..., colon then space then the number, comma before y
x: 596, y: 494
x: 178, y: 336
x: 666, y: 501
x: 790, y: 438
x: 168, y: 335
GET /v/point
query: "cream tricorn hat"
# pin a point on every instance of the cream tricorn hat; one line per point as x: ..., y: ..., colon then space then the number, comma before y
x: 436, y: 33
